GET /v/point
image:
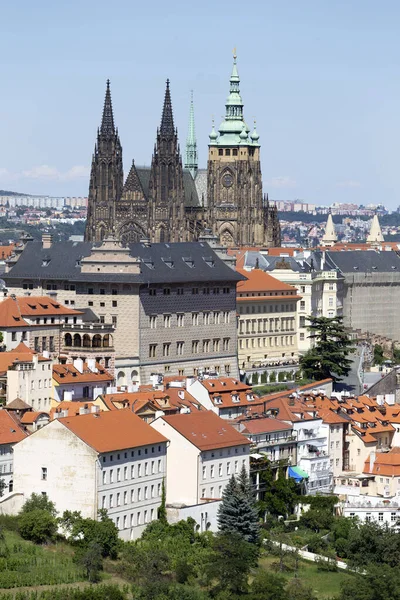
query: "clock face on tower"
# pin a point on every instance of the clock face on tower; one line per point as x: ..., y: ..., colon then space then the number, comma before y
x: 227, y: 180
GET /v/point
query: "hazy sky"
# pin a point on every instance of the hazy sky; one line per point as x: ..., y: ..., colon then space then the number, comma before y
x: 320, y: 76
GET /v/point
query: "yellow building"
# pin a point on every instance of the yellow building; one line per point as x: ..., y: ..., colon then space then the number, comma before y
x: 267, y: 320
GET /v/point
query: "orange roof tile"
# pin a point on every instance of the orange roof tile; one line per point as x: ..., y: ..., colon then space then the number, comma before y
x: 13, y: 310
x: 255, y: 426
x: 225, y: 384
x: 6, y: 251
x: 206, y: 430
x: 67, y: 373
x: 71, y: 407
x: 20, y: 354
x: 10, y: 431
x: 31, y: 416
x: 113, y: 430
x: 260, y: 281
x: 385, y: 463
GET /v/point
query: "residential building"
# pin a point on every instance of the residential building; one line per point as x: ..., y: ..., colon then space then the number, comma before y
x: 267, y: 321
x: 173, y: 306
x: 10, y: 434
x: 27, y: 375
x: 208, y: 451
x: 111, y: 460
x: 385, y: 466
x: 80, y: 381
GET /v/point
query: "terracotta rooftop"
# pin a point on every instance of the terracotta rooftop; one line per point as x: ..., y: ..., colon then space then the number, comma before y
x: 18, y: 404
x: 14, y: 310
x: 10, y: 431
x: 31, y: 416
x: 67, y: 373
x: 260, y: 281
x: 225, y: 384
x: 20, y: 354
x: 385, y: 463
x: 256, y: 426
x: 206, y: 430
x: 112, y: 430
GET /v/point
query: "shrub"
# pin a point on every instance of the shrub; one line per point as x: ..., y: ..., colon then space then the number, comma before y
x: 38, y: 526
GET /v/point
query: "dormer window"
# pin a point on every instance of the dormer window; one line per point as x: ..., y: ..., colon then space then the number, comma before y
x: 188, y: 260
x: 168, y: 262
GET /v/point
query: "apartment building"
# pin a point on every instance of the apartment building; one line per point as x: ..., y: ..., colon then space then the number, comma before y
x: 80, y: 380
x: 173, y: 306
x: 203, y: 453
x: 10, y: 434
x: 111, y: 460
x: 267, y: 311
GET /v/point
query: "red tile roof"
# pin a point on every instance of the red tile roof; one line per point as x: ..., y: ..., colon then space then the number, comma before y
x: 260, y: 281
x: 31, y: 416
x: 13, y: 310
x: 10, y: 431
x: 20, y: 354
x: 256, y: 426
x: 225, y: 384
x: 67, y: 373
x: 206, y: 430
x: 112, y: 430
x: 386, y: 463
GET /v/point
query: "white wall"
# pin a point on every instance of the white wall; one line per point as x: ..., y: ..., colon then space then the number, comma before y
x: 200, y: 392
x: 33, y: 386
x: 71, y: 469
x: 204, y: 514
x: 182, y: 465
x: 6, y: 464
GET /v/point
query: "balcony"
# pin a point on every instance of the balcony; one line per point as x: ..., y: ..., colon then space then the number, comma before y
x: 92, y: 343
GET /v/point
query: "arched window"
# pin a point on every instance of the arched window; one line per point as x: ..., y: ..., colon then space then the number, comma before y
x: 68, y: 339
x: 107, y: 341
x: 86, y: 341
x: 96, y: 342
x: 121, y: 378
x: 134, y: 376
x: 77, y: 341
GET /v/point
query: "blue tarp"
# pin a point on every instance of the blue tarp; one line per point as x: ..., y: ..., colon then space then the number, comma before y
x: 297, y: 473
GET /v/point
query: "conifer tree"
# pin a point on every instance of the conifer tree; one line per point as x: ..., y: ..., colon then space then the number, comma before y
x: 237, y: 513
x: 329, y: 357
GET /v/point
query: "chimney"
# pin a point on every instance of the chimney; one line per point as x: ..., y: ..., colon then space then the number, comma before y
x: 372, y: 457
x: 78, y: 364
x: 47, y: 240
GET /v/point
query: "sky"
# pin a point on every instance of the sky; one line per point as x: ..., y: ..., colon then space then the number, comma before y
x: 320, y: 77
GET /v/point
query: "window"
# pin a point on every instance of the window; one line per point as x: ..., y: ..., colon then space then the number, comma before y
x: 180, y: 320
x: 330, y: 301
x: 133, y: 472
x: 167, y: 291
x: 14, y: 336
x: 195, y: 346
x: 152, y: 292
x: 152, y: 491
x: 118, y: 474
x: 103, y: 502
x: 226, y: 343
x: 204, y: 472
x: 195, y: 318
x: 206, y: 345
x: 226, y: 290
x: 117, y: 522
x: 44, y: 473
x: 195, y: 290
x: 206, y: 318
x: 159, y: 490
x: 102, y: 292
x: 216, y: 345
x: 125, y: 497
x: 111, y: 504
x: 104, y: 476
x: 139, y: 470
x: 203, y: 493
x: 111, y: 475
x: 212, y: 471
x: 206, y: 290
x: 167, y: 320
x: 114, y: 320
x: 159, y: 465
x: 380, y: 516
x: 226, y: 316
x: 139, y: 494
x: 180, y: 348
x: 393, y: 516
x: 216, y: 318
x: 115, y: 304
x: 302, y: 322
x: 152, y: 350
x: 302, y: 305
x: 228, y: 468
x: 180, y: 291
x: 302, y: 337
x: 166, y: 349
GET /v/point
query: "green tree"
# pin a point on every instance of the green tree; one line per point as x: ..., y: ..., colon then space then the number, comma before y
x: 2, y: 487
x: 41, y: 502
x: 162, y: 510
x: 237, y: 513
x: 380, y: 582
x: 37, y: 525
x: 83, y: 532
x: 90, y: 558
x: 267, y: 586
x: 298, y: 590
x: 378, y: 355
x: 231, y: 561
x: 279, y: 495
x: 329, y: 357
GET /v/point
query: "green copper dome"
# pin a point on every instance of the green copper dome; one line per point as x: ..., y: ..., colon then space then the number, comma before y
x: 233, y: 129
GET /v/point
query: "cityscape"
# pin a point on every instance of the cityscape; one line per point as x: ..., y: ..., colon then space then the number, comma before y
x: 199, y: 354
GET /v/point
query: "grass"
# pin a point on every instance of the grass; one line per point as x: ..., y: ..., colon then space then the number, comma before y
x: 24, y: 564
x: 325, y: 584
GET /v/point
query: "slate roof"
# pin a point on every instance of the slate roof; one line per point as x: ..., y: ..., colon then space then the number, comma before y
x: 365, y: 261
x: 62, y: 263
x: 191, y: 196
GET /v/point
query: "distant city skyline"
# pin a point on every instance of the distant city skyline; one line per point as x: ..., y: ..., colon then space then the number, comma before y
x: 322, y: 81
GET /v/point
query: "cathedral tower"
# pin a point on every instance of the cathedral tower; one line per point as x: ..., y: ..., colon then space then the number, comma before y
x: 106, y: 177
x: 166, y: 191
x: 237, y: 214
x: 191, y: 161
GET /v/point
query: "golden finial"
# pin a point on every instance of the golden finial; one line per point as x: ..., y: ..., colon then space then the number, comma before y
x: 234, y: 53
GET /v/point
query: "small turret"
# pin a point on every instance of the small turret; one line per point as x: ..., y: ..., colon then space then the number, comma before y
x: 375, y: 233
x: 329, y: 238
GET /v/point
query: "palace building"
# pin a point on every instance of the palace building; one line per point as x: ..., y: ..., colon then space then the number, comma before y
x: 172, y: 202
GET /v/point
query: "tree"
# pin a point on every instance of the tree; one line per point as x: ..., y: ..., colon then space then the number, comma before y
x: 162, y: 511
x: 232, y: 558
x: 279, y: 496
x: 267, y: 586
x: 237, y: 513
x: 39, y: 502
x: 329, y: 358
x: 84, y: 532
x: 91, y: 560
x: 2, y: 487
x: 38, y: 525
x: 298, y: 590
x: 378, y: 355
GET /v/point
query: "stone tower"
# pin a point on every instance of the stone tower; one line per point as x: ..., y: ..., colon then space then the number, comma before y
x: 106, y: 177
x: 191, y: 160
x: 237, y: 213
x: 329, y: 238
x: 166, y: 190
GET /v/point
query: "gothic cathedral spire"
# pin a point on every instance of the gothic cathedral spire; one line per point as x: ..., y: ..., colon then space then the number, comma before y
x: 191, y: 162
x: 167, y: 120
x: 106, y: 178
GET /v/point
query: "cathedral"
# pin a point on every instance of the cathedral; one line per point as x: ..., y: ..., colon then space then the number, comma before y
x: 169, y: 202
